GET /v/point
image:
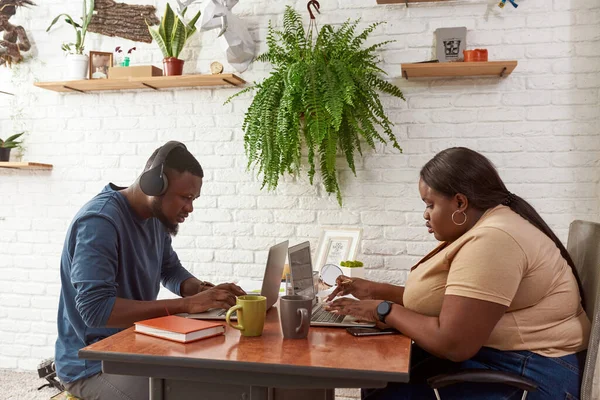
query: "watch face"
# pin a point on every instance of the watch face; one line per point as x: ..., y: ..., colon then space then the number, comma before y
x: 383, y: 308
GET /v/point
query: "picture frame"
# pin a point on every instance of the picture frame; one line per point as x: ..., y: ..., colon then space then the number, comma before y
x: 99, y: 64
x: 450, y: 43
x: 337, y: 245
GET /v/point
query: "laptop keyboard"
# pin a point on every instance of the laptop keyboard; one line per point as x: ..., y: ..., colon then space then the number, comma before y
x: 224, y: 311
x: 319, y: 314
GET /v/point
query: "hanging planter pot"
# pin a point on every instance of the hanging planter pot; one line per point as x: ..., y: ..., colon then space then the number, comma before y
x: 322, y: 96
x: 172, y: 66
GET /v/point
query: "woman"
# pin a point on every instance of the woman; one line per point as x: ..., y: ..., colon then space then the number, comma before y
x: 500, y: 292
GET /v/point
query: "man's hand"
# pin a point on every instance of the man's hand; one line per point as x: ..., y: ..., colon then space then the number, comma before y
x: 212, y: 298
x: 231, y: 288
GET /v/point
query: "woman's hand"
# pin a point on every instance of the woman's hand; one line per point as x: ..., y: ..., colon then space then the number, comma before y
x: 363, y: 310
x: 357, y: 287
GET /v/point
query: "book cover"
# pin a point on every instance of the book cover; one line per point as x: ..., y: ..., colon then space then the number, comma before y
x: 179, y: 329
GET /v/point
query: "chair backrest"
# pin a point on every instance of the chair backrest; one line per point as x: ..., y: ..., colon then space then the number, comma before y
x: 584, y: 247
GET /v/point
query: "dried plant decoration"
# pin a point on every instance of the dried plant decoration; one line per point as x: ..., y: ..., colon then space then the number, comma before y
x: 123, y: 20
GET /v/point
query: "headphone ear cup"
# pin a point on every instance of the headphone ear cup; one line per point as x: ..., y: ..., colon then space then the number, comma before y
x: 151, y: 183
x: 165, y: 184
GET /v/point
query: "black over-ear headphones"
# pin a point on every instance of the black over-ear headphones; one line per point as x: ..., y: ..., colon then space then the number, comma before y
x: 154, y: 182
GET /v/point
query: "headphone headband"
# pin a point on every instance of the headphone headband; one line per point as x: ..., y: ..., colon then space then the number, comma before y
x: 164, y: 151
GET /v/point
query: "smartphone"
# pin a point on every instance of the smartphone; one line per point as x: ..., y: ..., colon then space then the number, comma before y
x: 370, y: 331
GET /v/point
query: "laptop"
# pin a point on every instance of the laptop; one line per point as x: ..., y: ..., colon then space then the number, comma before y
x: 302, y: 282
x: 270, y: 285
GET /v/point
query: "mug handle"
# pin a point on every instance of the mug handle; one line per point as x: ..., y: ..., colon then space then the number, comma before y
x: 228, y: 316
x: 304, y: 320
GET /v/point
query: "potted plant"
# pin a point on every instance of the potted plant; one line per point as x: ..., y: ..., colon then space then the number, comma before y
x: 321, y: 92
x: 171, y: 35
x: 8, y: 144
x: 353, y: 269
x: 77, y: 62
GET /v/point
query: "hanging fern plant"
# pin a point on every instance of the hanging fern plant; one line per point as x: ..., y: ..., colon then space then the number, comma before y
x: 322, y: 92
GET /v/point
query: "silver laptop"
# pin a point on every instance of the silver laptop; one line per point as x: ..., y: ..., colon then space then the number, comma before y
x: 270, y: 285
x: 302, y: 282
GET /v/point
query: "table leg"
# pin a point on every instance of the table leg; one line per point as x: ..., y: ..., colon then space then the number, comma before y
x: 156, y: 388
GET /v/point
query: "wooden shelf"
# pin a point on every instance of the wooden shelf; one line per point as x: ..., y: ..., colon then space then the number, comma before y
x: 153, y: 82
x: 407, y: 1
x: 25, y: 165
x: 420, y: 70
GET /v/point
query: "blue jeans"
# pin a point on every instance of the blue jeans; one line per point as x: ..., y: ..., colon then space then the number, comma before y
x: 557, y: 378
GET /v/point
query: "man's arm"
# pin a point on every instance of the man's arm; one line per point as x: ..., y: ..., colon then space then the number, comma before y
x: 192, y: 286
x: 126, y: 312
x: 93, y: 274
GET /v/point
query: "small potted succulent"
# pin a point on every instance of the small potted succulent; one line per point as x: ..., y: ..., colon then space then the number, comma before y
x: 353, y: 269
x: 171, y: 36
x: 8, y: 144
x: 77, y: 62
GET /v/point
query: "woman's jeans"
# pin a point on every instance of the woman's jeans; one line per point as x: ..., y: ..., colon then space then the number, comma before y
x: 557, y: 378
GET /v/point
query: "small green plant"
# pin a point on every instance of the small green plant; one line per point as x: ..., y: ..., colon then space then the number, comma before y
x: 322, y: 93
x: 172, y: 33
x: 80, y: 28
x: 351, y: 264
x: 11, y: 142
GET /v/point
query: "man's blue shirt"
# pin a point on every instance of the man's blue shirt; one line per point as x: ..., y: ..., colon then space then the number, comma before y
x: 109, y: 252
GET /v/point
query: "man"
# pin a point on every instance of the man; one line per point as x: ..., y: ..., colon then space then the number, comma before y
x: 116, y: 253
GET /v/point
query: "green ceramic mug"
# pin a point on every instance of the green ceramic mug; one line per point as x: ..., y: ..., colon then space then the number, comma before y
x: 251, y: 313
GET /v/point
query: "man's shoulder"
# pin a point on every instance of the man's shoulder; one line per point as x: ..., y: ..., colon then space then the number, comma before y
x: 105, y: 204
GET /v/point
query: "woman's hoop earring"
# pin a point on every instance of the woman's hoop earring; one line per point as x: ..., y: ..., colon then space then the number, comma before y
x: 464, y: 221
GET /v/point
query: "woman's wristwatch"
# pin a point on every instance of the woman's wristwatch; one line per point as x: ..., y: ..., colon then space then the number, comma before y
x: 383, y: 309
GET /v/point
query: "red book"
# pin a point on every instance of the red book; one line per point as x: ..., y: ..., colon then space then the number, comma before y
x: 179, y: 329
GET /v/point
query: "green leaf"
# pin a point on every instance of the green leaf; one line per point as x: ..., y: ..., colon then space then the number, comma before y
x: 159, y: 41
x: 166, y: 29
x: 177, y: 38
x: 55, y: 20
x: 191, y: 26
x: 14, y: 137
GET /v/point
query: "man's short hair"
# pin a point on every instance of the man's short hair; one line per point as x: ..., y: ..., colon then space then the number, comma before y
x: 180, y: 160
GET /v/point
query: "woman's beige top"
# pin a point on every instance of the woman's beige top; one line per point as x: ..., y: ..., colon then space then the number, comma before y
x: 506, y: 260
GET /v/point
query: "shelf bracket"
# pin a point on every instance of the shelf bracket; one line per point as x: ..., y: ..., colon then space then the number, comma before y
x: 149, y: 86
x: 405, y: 74
x: 73, y: 89
x: 502, y: 72
x: 228, y: 81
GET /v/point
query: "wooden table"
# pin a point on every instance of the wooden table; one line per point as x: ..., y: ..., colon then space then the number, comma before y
x: 237, y: 367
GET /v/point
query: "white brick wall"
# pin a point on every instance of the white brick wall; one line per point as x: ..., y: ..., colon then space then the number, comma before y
x: 539, y: 125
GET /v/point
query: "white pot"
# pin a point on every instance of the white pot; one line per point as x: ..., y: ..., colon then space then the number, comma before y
x: 358, y: 272
x: 77, y: 67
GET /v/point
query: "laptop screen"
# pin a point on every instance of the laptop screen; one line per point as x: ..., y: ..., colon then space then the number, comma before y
x: 301, y: 269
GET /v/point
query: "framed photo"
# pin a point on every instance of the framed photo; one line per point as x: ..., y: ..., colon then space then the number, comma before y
x: 99, y: 64
x: 450, y: 43
x: 337, y: 245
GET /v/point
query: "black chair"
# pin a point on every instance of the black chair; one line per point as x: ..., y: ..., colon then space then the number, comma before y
x: 584, y: 247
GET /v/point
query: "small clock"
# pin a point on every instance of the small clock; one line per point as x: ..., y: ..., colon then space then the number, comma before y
x: 216, y: 67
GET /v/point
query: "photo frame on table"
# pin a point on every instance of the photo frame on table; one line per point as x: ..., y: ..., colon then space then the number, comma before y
x: 337, y: 245
x: 99, y: 64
